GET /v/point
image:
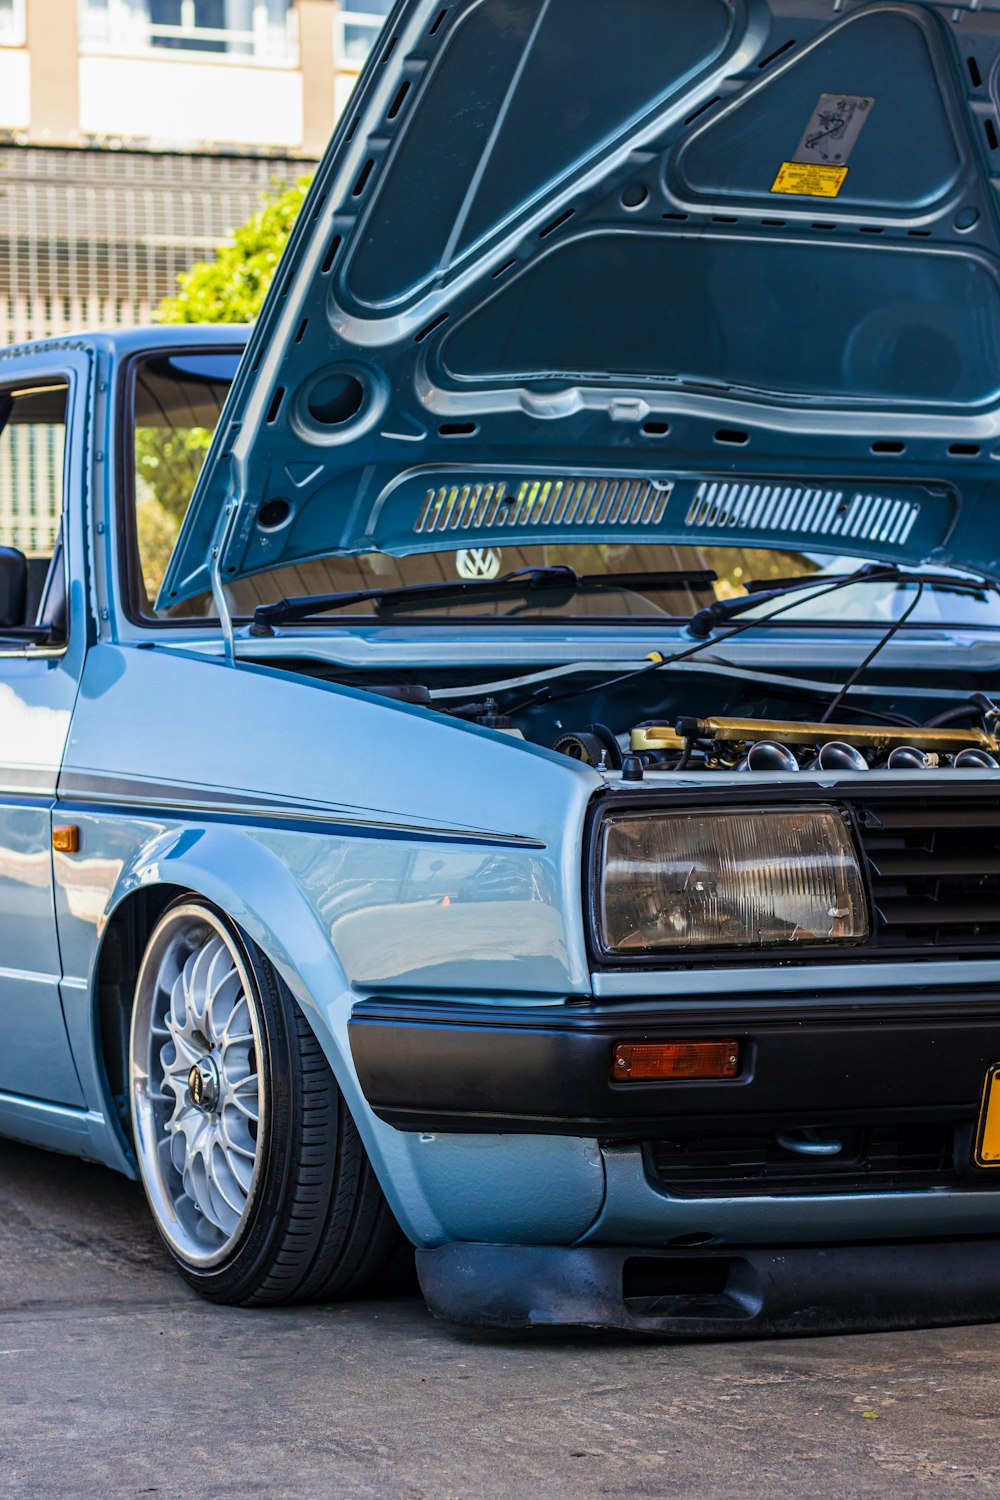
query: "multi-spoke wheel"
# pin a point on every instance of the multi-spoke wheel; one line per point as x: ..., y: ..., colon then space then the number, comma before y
x: 253, y: 1167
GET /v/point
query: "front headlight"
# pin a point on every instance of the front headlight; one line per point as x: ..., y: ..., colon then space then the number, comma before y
x: 728, y: 879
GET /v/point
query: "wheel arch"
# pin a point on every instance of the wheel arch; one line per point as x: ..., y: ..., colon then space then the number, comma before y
x: 122, y: 943
x: 265, y: 902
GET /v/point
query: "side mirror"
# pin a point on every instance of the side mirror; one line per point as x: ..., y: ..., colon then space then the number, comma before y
x: 13, y: 587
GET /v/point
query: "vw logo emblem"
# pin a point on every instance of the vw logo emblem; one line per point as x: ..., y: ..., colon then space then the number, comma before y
x: 478, y: 562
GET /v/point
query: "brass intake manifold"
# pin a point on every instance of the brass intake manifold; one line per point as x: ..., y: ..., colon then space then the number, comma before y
x: 879, y: 739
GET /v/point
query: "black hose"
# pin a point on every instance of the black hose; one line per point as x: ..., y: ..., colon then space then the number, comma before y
x: 953, y: 715
x: 685, y: 757
x: 856, y: 710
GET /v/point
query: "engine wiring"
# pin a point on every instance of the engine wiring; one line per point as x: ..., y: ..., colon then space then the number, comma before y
x: 791, y: 687
x: 546, y: 696
x: 859, y: 670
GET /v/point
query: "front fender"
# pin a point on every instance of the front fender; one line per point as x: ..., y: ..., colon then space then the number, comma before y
x: 265, y: 900
x: 434, y: 1184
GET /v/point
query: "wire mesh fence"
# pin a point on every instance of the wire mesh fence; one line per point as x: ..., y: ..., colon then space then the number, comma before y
x: 95, y: 239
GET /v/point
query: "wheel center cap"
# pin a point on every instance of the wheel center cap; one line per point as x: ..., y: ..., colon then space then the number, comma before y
x: 203, y: 1084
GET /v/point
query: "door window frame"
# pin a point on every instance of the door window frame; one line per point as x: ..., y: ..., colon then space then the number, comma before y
x: 56, y: 374
x: 130, y: 592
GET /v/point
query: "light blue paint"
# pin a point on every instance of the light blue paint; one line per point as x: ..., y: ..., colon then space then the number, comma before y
x: 637, y: 1212
x: 75, y: 1132
x: 516, y: 811
x: 777, y: 979
x: 331, y: 823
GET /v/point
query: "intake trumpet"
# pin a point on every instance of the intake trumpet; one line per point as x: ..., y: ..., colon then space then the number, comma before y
x: 836, y: 755
x: 788, y: 746
x: 768, y: 755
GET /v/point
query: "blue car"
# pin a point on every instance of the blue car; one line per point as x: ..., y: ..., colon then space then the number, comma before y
x: 504, y: 757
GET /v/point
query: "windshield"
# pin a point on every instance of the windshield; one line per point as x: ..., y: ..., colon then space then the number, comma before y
x: 177, y: 401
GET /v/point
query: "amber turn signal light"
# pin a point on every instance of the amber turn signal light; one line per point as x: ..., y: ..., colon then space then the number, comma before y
x: 66, y: 838
x: 636, y: 1062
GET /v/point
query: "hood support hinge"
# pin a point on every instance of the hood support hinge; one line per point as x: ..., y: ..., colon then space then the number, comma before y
x: 220, y: 546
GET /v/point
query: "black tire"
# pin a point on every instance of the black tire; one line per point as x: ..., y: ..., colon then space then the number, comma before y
x: 317, y: 1226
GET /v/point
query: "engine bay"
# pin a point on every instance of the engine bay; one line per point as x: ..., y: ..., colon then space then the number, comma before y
x: 703, y: 719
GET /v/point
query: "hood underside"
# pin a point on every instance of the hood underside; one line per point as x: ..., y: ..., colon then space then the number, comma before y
x: 649, y: 270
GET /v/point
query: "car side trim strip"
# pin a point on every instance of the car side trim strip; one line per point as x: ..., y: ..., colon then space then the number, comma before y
x: 174, y: 797
x: 28, y: 781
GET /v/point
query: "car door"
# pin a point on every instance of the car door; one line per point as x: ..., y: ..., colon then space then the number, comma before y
x: 41, y: 467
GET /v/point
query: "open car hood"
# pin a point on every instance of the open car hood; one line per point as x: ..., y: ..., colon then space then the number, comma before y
x: 657, y: 270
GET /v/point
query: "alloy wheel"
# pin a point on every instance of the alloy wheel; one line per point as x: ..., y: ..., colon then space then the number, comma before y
x: 197, y: 1090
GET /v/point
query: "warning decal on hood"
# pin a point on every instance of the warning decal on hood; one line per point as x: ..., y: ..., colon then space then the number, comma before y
x: 819, y: 166
x: 808, y: 181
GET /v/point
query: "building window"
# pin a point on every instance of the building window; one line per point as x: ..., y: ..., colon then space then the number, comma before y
x: 11, y: 23
x: 358, y: 25
x: 254, y: 30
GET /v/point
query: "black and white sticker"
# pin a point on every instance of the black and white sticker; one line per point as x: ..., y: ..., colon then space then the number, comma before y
x: 833, y: 129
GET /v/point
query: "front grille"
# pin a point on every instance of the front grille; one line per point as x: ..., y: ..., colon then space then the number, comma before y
x: 934, y: 868
x: 879, y: 1157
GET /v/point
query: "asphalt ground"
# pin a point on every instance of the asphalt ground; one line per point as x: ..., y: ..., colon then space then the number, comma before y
x: 117, y: 1380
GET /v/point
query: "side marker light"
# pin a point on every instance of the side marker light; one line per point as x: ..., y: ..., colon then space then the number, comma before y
x: 649, y: 1062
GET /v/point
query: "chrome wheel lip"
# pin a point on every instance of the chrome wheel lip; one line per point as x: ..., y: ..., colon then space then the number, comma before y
x: 187, y: 928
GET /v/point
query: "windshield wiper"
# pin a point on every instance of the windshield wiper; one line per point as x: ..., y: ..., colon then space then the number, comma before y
x: 705, y: 620
x: 561, y: 581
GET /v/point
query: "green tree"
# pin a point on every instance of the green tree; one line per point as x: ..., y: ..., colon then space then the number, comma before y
x: 230, y: 288
x: 227, y: 289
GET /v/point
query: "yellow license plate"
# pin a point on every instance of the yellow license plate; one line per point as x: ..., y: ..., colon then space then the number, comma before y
x: 988, y: 1135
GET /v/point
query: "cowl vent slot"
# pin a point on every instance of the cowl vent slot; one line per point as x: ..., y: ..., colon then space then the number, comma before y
x: 863, y: 515
x: 569, y: 502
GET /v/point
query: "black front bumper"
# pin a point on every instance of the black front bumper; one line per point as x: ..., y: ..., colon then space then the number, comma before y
x: 806, y: 1061
x: 725, y: 1293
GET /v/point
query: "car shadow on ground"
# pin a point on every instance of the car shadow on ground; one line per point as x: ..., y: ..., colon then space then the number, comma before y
x: 75, y: 1232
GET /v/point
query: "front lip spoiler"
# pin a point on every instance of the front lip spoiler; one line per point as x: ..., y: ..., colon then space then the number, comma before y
x: 464, y: 1067
x: 716, y: 1293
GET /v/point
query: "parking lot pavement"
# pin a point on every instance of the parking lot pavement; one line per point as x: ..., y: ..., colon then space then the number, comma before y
x: 116, y: 1380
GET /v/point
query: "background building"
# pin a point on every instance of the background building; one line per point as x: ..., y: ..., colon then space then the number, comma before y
x: 135, y: 134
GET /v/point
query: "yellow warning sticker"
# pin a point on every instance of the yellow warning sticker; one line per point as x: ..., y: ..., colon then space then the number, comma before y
x: 807, y: 179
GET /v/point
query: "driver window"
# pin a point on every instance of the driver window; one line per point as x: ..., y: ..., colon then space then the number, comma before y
x: 32, y: 455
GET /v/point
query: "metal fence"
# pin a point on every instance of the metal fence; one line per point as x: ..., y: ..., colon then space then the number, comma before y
x: 95, y: 239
